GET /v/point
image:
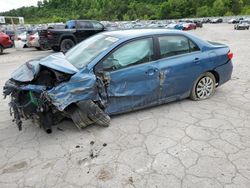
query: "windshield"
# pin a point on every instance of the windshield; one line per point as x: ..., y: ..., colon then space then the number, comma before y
x: 83, y: 53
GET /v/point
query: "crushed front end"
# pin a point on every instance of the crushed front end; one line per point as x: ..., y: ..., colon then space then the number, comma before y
x: 47, y: 93
x: 28, y: 99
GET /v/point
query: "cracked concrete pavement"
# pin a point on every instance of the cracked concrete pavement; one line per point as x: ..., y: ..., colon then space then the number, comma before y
x: 184, y: 144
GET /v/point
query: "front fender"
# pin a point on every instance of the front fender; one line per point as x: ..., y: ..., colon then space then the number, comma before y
x: 81, y: 86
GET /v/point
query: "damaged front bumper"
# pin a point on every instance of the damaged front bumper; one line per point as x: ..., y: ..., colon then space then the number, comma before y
x: 30, y: 102
x: 33, y: 102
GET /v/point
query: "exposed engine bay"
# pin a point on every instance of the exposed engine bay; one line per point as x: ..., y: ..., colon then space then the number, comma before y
x: 29, y: 94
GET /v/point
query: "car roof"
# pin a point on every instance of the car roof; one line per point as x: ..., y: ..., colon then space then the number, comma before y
x: 134, y: 33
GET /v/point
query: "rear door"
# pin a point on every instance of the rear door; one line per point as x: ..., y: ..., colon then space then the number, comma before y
x: 180, y: 64
x: 133, y: 76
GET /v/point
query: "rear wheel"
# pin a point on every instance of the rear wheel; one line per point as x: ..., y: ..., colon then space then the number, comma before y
x: 66, y: 44
x: 1, y: 50
x: 204, y: 87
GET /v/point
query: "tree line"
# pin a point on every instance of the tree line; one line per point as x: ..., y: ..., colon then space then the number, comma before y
x: 61, y: 10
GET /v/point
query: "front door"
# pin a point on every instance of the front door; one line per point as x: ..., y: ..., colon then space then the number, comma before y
x: 133, y: 76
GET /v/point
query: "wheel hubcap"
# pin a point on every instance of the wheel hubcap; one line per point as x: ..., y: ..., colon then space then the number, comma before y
x: 204, y: 88
x: 68, y: 46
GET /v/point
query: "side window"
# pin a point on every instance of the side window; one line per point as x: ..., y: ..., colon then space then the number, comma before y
x: 193, y: 47
x: 132, y: 53
x: 97, y: 25
x: 173, y: 45
x: 85, y: 24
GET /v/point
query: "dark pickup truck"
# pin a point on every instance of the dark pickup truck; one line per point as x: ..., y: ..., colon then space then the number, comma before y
x: 75, y: 31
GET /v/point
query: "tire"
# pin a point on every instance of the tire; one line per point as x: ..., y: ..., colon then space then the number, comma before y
x: 55, y: 48
x: 95, y: 113
x: 79, y: 118
x: 204, y: 87
x: 85, y: 113
x: 66, y: 44
x: 38, y: 48
x: 1, y: 50
x: 98, y: 116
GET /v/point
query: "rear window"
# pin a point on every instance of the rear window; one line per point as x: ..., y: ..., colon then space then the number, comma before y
x: 97, y: 25
x: 193, y: 46
x: 85, y: 24
x: 176, y: 45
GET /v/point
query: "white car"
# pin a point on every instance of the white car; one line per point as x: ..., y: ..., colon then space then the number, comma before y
x: 21, y: 41
x: 244, y: 24
x: 231, y: 21
x: 33, y: 41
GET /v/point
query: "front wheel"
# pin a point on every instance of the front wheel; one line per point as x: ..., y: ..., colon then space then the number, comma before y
x: 204, y: 87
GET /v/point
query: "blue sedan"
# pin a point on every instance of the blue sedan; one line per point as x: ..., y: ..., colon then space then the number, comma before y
x: 115, y: 72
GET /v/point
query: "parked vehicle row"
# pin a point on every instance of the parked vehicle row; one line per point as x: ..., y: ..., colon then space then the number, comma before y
x: 78, y: 30
x: 62, y: 37
x: 235, y: 21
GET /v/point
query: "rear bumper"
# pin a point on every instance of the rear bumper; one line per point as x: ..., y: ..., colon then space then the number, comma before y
x: 33, y: 44
x: 225, y: 72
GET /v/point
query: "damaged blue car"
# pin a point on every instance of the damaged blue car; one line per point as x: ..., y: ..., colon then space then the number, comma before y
x: 115, y: 72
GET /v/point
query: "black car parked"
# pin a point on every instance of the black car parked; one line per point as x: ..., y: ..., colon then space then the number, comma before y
x: 74, y: 32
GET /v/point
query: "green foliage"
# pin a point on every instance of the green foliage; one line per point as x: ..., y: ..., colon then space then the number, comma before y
x: 203, y: 11
x: 61, y: 10
x: 246, y: 10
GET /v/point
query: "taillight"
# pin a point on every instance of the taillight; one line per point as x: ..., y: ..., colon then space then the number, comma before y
x: 49, y: 34
x: 32, y: 38
x: 230, y: 55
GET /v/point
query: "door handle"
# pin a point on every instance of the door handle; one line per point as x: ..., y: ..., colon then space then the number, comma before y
x: 197, y: 60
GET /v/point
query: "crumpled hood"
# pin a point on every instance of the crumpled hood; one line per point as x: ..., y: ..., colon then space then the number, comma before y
x: 58, y: 62
x: 30, y: 69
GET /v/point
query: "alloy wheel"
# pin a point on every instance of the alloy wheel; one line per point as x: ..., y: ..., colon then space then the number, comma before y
x: 204, y: 87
